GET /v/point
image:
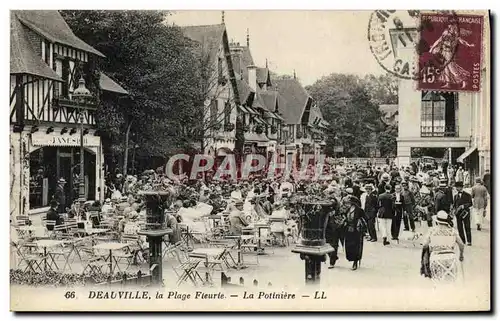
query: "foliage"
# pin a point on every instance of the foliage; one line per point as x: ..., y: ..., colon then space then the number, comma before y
x: 58, y: 279
x: 152, y: 61
x: 275, y: 76
x: 386, y: 140
x: 351, y: 105
x: 382, y: 89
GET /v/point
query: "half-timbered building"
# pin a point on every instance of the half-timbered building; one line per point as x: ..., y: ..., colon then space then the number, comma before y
x: 47, y: 63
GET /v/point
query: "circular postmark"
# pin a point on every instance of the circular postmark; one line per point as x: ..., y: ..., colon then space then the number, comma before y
x: 398, y: 40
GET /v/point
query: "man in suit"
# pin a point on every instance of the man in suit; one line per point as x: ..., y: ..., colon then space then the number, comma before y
x: 236, y: 219
x: 399, y: 203
x: 60, y: 195
x: 53, y: 215
x: 385, y: 212
x: 443, y: 197
x: 487, y: 180
x: 480, y: 201
x: 409, y: 204
x: 461, y: 209
x: 369, y: 202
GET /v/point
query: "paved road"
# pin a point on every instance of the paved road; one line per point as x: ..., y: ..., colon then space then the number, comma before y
x: 386, y: 273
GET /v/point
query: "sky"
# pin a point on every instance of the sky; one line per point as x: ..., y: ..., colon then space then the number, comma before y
x: 313, y: 43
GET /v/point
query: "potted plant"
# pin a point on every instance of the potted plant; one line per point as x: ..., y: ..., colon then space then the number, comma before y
x: 274, y: 129
x: 217, y: 127
x: 299, y: 135
x: 258, y: 129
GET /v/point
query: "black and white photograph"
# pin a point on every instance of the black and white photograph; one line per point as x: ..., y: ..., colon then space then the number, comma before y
x: 250, y: 160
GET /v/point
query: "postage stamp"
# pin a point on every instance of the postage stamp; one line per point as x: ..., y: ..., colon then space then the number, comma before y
x: 450, y: 51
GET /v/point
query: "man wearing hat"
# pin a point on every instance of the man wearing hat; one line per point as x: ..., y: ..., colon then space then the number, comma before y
x: 236, y: 219
x: 385, y: 212
x: 409, y: 204
x: 60, y: 195
x: 442, y: 200
x: 461, y: 209
x: 369, y: 202
x: 385, y: 179
x: 480, y: 202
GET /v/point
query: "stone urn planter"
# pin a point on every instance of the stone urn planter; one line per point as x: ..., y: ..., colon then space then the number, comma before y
x: 313, y: 217
x: 155, y: 230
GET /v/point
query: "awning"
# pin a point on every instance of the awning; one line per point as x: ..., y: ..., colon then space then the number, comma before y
x: 467, y: 153
x: 252, y: 111
x: 243, y: 109
x: 260, y: 121
x: 278, y: 116
x: 224, y: 151
x: 108, y: 84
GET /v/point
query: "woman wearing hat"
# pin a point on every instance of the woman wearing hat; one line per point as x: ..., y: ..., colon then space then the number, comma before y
x: 439, y: 259
x: 354, y: 231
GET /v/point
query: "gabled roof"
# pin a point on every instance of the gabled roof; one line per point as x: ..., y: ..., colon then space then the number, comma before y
x: 209, y: 37
x: 109, y: 84
x: 388, y: 109
x: 23, y: 59
x: 51, y: 25
x: 296, y: 99
x: 269, y: 98
x: 316, y: 118
x: 263, y: 76
x: 258, y: 102
x: 244, y: 90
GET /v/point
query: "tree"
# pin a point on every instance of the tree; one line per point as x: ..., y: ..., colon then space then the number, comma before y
x: 348, y: 107
x: 153, y: 62
x: 386, y: 140
x: 383, y: 89
x: 276, y: 76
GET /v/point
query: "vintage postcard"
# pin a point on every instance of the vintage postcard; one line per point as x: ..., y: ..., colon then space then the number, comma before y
x: 250, y: 160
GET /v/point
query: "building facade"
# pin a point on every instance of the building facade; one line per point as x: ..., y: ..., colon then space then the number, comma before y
x: 47, y: 63
x: 221, y: 97
x: 457, y: 121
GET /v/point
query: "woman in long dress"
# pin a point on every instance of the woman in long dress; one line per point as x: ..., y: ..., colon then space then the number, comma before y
x: 354, y: 230
x: 439, y: 257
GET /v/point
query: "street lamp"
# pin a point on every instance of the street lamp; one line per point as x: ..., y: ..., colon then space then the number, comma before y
x: 335, y: 139
x: 81, y: 94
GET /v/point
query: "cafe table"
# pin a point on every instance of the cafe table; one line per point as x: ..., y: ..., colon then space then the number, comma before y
x: 260, y: 227
x: 111, y: 246
x: 206, y: 254
x: 239, y: 239
x: 48, y: 244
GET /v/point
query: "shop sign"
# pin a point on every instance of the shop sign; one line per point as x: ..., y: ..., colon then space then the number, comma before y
x: 43, y: 139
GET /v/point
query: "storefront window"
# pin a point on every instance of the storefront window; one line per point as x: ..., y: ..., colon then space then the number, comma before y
x: 42, y: 176
x: 49, y: 164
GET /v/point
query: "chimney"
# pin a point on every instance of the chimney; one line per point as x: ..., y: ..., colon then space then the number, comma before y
x: 236, y: 56
x: 252, y: 77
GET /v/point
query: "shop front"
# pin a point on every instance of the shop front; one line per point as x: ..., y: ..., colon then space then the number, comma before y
x: 46, y: 156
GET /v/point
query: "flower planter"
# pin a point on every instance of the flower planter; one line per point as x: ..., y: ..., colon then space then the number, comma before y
x: 313, y: 216
x: 155, y: 230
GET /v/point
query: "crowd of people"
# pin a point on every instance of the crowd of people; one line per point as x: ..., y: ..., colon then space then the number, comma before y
x: 369, y: 203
